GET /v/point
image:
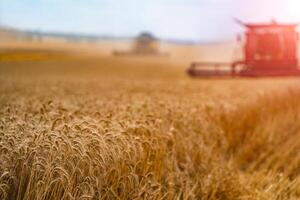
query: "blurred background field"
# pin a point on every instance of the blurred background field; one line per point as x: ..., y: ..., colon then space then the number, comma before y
x: 181, y: 53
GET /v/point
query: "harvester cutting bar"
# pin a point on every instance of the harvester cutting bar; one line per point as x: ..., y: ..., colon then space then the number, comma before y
x: 207, y: 69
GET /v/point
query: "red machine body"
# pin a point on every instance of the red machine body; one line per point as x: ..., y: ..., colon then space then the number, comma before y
x: 269, y: 50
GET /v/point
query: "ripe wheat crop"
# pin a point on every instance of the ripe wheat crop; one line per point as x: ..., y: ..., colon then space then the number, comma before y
x: 122, y: 129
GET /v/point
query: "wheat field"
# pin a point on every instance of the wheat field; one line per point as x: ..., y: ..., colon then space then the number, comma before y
x: 76, y: 127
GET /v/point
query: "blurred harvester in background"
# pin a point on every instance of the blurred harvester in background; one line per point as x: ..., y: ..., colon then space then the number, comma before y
x: 143, y: 44
x: 269, y: 50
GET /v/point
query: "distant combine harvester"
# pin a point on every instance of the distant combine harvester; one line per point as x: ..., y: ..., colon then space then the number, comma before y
x: 269, y: 50
x: 143, y: 44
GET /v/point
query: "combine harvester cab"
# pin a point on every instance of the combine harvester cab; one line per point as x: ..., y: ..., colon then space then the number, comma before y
x: 269, y: 50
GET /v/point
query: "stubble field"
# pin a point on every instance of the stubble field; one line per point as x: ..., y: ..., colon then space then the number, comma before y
x: 75, y: 127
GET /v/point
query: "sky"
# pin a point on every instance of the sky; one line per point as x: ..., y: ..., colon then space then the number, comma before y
x: 201, y: 20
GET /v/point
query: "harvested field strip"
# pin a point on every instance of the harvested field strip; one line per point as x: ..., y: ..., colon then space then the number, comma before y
x: 22, y: 55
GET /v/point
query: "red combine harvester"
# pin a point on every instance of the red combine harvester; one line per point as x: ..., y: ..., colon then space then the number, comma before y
x: 269, y: 50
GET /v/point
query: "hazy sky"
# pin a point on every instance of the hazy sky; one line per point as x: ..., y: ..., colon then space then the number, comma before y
x: 203, y: 20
